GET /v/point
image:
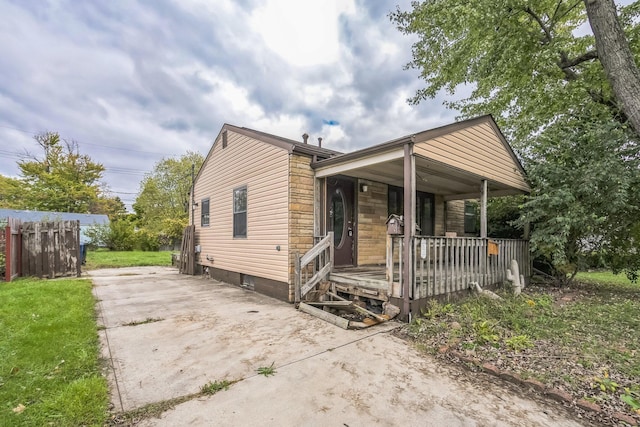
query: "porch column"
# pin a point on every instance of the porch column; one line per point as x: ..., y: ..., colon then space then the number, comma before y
x: 409, y: 226
x: 483, y: 209
x: 318, y: 207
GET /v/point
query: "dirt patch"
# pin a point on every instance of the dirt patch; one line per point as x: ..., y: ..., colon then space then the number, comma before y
x: 599, y: 384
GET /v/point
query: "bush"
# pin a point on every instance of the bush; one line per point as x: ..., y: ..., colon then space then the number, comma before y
x: 118, y: 235
x: 147, y: 240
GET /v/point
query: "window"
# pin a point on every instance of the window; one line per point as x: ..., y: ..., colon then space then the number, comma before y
x: 470, y: 217
x: 396, y: 201
x: 240, y: 212
x: 204, y: 212
x: 424, y: 208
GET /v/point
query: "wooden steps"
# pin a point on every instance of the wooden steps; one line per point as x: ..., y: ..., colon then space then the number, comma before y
x: 347, y: 314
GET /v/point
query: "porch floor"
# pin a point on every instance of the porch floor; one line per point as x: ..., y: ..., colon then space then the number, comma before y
x: 373, y: 277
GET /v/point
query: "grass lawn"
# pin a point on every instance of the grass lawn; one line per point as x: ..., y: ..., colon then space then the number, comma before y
x: 584, y: 339
x: 604, y: 277
x: 49, y: 368
x: 112, y: 259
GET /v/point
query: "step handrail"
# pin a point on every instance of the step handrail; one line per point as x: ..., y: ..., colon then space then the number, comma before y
x: 321, y: 254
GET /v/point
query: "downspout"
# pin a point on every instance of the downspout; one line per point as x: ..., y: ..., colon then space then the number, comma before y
x: 409, y: 227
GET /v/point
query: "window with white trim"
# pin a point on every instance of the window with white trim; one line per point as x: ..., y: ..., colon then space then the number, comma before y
x: 240, y: 212
x: 204, y: 212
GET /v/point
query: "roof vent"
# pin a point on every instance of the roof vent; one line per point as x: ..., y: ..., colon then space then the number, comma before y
x: 305, y: 137
x: 320, y: 142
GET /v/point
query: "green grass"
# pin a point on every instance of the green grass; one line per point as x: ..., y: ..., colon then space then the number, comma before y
x: 113, y: 259
x: 564, y: 337
x: 605, y: 278
x: 267, y: 370
x: 49, y: 355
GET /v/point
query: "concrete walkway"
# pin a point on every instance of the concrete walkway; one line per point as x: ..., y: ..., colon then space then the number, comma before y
x: 200, y: 330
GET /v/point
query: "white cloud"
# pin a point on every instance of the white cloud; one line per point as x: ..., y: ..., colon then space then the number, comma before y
x: 303, y: 33
x: 161, y: 78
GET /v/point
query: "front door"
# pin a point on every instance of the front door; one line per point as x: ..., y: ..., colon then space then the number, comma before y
x: 340, y: 219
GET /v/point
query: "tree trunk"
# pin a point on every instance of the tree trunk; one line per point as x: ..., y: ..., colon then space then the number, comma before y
x: 616, y: 58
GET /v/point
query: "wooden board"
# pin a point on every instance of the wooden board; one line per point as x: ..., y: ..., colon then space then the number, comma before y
x: 324, y: 315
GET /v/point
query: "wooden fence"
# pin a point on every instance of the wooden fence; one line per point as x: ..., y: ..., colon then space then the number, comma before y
x: 51, y: 249
x: 445, y: 265
x: 12, y: 249
x: 187, y: 264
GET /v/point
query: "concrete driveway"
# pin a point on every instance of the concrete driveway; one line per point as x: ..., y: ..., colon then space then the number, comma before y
x: 198, y: 330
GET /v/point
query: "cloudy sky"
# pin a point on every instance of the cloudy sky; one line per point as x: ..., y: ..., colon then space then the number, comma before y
x: 135, y: 81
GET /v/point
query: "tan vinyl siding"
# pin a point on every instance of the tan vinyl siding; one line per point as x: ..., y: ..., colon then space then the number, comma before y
x: 477, y: 149
x: 301, y: 197
x: 372, y: 217
x: 263, y: 169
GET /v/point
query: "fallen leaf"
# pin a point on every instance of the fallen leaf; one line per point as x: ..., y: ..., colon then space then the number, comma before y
x: 18, y: 409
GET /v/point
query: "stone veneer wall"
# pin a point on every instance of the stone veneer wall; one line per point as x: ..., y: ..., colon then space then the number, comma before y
x: 439, y: 228
x: 372, y: 228
x: 300, y: 211
x: 455, y: 216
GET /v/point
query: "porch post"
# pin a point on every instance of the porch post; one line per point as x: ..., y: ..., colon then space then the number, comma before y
x: 483, y: 209
x: 483, y: 232
x: 318, y: 207
x: 409, y: 227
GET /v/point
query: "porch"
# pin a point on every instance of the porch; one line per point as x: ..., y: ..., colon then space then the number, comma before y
x: 443, y: 265
x: 418, y: 177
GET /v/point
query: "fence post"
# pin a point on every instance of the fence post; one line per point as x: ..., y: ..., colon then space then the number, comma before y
x: 7, y: 252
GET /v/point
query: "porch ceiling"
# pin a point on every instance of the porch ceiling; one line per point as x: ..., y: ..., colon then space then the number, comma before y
x: 431, y: 177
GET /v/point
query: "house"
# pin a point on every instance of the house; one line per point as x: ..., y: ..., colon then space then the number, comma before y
x: 281, y: 216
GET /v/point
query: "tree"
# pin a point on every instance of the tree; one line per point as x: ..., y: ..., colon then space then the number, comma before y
x: 586, y: 181
x: 112, y: 206
x: 164, y: 195
x: 10, y: 193
x: 63, y: 180
x: 502, y: 216
x: 118, y: 235
x: 616, y: 57
x: 525, y: 62
x: 548, y: 85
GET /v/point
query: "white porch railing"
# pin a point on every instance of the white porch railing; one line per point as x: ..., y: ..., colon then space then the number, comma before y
x: 445, y: 265
x: 313, y: 267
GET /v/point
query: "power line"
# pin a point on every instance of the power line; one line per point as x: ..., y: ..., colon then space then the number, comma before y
x: 93, y: 144
x: 112, y: 170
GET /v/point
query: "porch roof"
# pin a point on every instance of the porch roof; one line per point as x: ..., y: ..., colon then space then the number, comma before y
x: 451, y: 161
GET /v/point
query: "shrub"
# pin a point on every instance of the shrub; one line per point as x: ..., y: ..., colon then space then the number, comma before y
x: 147, y: 240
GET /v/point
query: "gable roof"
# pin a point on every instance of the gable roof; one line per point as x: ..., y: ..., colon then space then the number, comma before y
x: 422, y: 136
x: 289, y: 144
x: 450, y: 160
x: 474, y: 149
x: 36, y: 216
